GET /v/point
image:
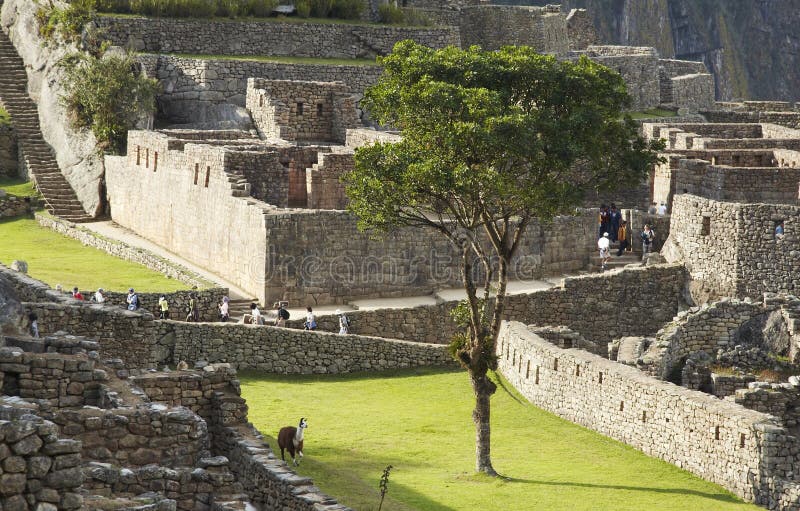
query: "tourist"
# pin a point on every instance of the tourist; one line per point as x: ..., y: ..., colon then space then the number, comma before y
x: 34, y: 320
x: 311, y: 320
x: 224, y: 313
x: 258, y: 319
x: 59, y: 289
x: 779, y: 231
x: 653, y: 209
x: 132, y: 300
x: 605, y: 251
x: 605, y: 220
x: 622, y: 237
x: 281, y: 314
x: 616, y: 217
x: 163, y: 308
x: 344, y: 323
x: 647, y: 235
x: 192, y: 312
x: 99, y: 297
x: 662, y: 209
x: 76, y: 294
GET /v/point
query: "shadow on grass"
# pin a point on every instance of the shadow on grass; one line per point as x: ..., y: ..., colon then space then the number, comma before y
x: 722, y: 497
x: 248, y: 375
x: 357, y: 474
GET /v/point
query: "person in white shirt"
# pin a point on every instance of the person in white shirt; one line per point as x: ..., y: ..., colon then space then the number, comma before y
x: 224, y: 314
x: 604, y: 245
x: 344, y: 323
x: 311, y: 320
x: 258, y: 319
x: 662, y: 209
x: 99, y: 297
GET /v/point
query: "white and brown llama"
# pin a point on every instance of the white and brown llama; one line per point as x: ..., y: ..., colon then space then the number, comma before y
x: 291, y: 439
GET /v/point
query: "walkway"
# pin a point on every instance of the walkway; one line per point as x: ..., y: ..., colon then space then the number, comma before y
x: 114, y: 231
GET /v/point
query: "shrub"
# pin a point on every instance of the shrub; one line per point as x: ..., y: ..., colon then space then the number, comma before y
x: 259, y: 8
x: 347, y: 9
x: 415, y: 17
x: 303, y: 8
x: 66, y: 22
x: 391, y: 14
x: 320, y: 8
x: 107, y: 94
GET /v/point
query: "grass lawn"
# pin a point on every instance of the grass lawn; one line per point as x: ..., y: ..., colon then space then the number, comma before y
x: 280, y: 60
x: 653, y: 112
x: 17, y: 186
x: 419, y: 421
x: 57, y: 259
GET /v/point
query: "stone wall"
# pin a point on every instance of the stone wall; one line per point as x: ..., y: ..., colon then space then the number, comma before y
x: 192, y: 87
x: 9, y: 156
x: 580, y: 29
x: 250, y: 37
x: 740, y: 255
x: 302, y: 111
x: 11, y: 205
x: 289, y: 351
x: 781, y: 400
x: 199, y: 203
x: 257, y: 246
x: 600, y: 307
x: 40, y: 469
x: 493, y: 26
x: 366, y: 136
x: 638, y: 67
x: 324, y: 185
x: 694, y: 92
x: 718, y: 440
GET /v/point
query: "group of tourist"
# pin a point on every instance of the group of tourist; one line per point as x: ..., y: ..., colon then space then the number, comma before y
x: 613, y: 229
x: 280, y: 315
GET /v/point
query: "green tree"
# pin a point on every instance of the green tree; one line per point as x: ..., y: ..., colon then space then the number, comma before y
x: 491, y: 140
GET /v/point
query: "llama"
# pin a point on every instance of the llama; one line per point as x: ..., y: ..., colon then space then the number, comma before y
x: 291, y: 439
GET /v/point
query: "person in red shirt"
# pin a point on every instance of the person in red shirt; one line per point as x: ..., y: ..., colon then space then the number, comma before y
x: 76, y: 294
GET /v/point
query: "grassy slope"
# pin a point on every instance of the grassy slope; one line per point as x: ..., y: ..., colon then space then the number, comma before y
x: 56, y: 259
x: 420, y: 422
x: 18, y: 187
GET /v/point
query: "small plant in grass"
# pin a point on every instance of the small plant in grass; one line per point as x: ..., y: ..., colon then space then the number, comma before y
x: 391, y: 14
x: 723, y: 370
x: 384, y: 484
x: 107, y: 94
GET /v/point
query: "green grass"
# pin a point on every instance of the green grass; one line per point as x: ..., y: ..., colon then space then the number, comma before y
x: 57, y: 259
x: 5, y: 118
x: 653, y: 112
x: 420, y: 422
x: 17, y: 186
x: 280, y: 60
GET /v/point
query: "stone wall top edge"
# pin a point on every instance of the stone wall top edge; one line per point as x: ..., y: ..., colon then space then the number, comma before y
x: 196, y: 61
x: 789, y: 208
x: 692, y: 397
x: 108, y: 19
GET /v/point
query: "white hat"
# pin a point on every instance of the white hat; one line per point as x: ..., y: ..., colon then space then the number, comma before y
x: 605, y: 235
x: 338, y: 312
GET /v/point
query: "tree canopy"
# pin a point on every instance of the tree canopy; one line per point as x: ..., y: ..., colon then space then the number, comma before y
x: 490, y: 141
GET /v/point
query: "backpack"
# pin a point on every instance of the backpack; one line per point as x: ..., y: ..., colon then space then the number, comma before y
x: 283, y: 313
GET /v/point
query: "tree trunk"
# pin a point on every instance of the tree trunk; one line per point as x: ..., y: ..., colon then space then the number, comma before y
x: 484, y: 388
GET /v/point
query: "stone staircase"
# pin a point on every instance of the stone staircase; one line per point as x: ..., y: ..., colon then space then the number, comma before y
x: 238, y: 308
x: 58, y: 195
x: 615, y: 262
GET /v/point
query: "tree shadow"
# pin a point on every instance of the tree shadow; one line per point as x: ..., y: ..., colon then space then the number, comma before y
x: 721, y: 496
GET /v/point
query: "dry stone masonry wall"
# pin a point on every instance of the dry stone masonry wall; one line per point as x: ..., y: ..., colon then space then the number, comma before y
x: 9, y: 155
x: 690, y: 429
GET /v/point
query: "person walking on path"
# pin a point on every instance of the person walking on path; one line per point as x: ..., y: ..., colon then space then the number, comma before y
x: 622, y: 237
x: 193, y: 313
x: 779, y: 231
x: 648, y: 235
x: 258, y: 319
x: 662, y: 209
x: 605, y: 220
x: 616, y: 217
x: 224, y: 313
x: 163, y: 308
x: 311, y: 319
x: 99, y: 297
x: 76, y: 294
x: 132, y: 300
x: 344, y: 323
x: 604, y: 244
x: 281, y: 314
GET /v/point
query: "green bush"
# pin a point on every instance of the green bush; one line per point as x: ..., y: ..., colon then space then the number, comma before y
x: 67, y: 22
x: 347, y: 9
x: 106, y: 94
x: 303, y: 8
x: 391, y: 14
